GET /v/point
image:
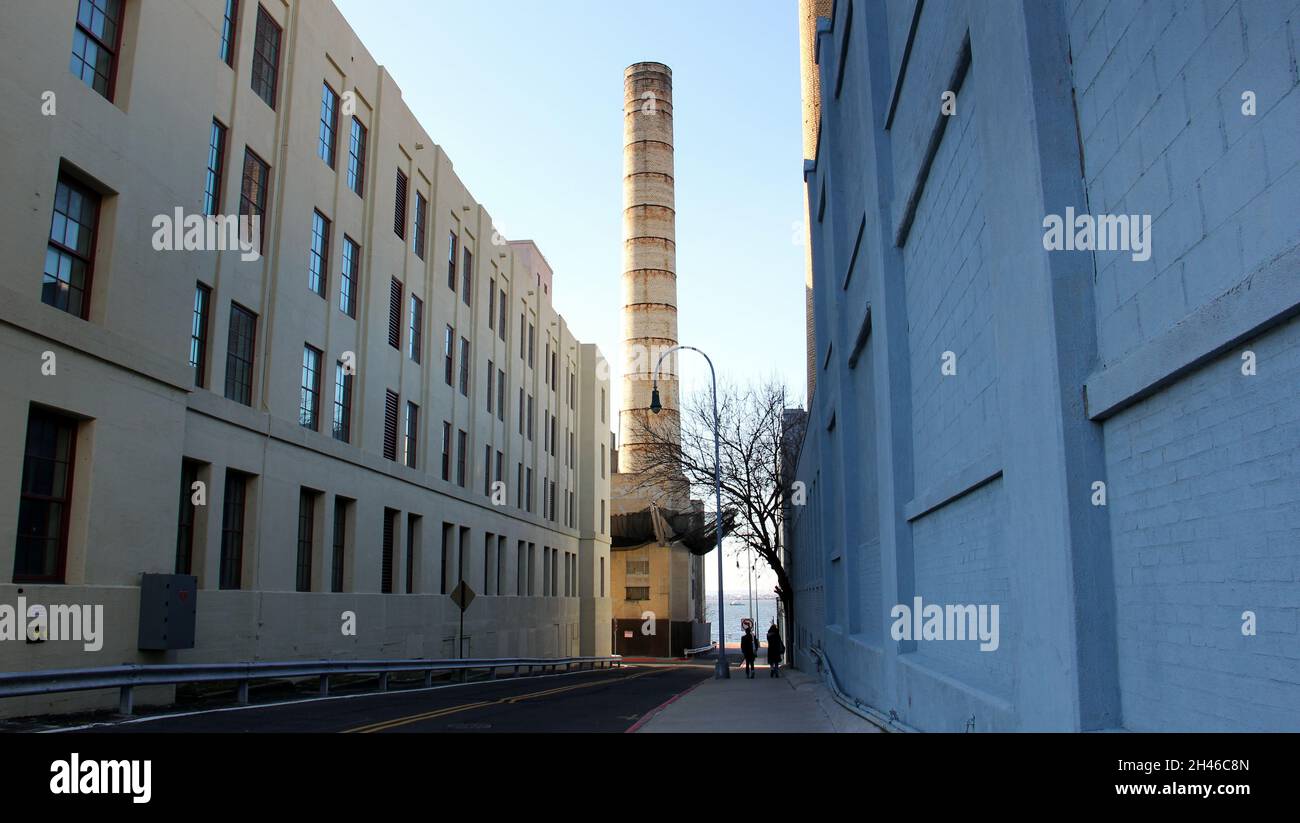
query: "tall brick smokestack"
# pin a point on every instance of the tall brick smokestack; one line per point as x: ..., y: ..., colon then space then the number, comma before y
x: 649, y: 256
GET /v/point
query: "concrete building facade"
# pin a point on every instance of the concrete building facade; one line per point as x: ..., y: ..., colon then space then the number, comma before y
x: 1101, y: 442
x: 382, y: 403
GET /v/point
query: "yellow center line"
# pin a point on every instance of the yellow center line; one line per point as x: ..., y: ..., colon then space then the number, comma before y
x: 385, y: 725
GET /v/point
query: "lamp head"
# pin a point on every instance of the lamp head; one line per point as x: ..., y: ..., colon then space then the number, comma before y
x: 655, y: 405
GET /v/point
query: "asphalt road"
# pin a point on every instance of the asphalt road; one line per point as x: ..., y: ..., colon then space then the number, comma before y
x: 609, y: 700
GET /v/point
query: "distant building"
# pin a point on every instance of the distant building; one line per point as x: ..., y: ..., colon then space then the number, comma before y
x: 1100, y: 443
x: 383, y: 403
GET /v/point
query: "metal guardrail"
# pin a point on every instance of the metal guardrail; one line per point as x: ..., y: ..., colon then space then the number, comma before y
x: 700, y: 649
x: 889, y: 723
x: 127, y: 677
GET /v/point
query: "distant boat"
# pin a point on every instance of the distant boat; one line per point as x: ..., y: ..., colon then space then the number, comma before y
x: 735, y: 603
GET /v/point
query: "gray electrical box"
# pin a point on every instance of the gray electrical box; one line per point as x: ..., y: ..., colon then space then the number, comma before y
x: 167, y: 609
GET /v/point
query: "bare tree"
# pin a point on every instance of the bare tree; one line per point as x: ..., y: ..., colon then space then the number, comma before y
x: 755, y: 456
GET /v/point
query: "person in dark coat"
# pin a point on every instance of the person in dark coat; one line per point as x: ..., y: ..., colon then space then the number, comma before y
x: 775, y: 648
x: 748, y: 652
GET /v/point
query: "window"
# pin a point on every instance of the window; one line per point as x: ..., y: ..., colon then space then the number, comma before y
x: 266, y: 57
x: 501, y: 565
x: 399, y: 206
x: 216, y: 168
x: 228, y: 28
x: 253, y: 194
x: 410, y: 452
x: 391, y: 404
x: 638, y: 592
x: 185, y: 518
x: 501, y: 395
x: 306, y: 528
x: 451, y: 261
x: 412, y: 541
x: 70, y: 255
x: 638, y: 567
x: 342, y: 403
x: 467, y: 278
x: 487, y: 470
x: 519, y: 485
x: 521, y: 410
x: 95, y: 43
x: 531, y: 416
x: 528, y: 500
x: 416, y: 343
x: 448, y: 353
x: 199, y: 335
x: 45, y: 499
x: 602, y: 405
x: 602, y: 577
x: 555, y: 370
x: 552, y: 440
x: 532, y: 345
x: 446, y: 451
x: 329, y: 125
x: 395, y: 314
x: 239, y: 354
x: 501, y: 458
x: 532, y: 566
x: 492, y: 303
x: 602, y: 517
x: 357, y: 157
x: 501, y: 316
x: 386, y: 561
x: 318, y: 259
x: 491, y: 384
x: 232, y: 529
x: 546, y: 364
x: 461, y: 447
x: 421, y: 208
x: 602, y: 460
x: 447, y: 531
x: 350, y: 275
x: 521, y: 570
x: 523, y: 339
x: 464, y: 367
x: 309, y: 402
x: 340, y: 543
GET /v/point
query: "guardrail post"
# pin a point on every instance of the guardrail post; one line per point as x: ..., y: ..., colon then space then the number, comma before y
x: 324, y: 685
x: 428, y: 678
x: 383, y: 682
x: 516, y: 670
x: 241, y: 693
x: 126, y: 700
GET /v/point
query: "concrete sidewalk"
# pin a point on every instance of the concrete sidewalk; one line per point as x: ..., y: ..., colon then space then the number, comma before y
x: 794, y: 702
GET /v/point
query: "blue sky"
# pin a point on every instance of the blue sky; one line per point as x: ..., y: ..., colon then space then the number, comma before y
x: 526, y: 99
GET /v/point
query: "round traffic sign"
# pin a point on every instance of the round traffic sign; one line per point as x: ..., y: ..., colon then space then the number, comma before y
x: 746, y: 623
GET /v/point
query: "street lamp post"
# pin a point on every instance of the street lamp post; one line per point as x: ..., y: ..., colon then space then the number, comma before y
x: 724, y: 667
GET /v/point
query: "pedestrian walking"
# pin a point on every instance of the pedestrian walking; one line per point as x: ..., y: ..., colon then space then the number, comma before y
x: 775, y: 648
x: 748, y: 652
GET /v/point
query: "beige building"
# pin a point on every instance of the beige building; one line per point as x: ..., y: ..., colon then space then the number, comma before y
x: 383, y: 403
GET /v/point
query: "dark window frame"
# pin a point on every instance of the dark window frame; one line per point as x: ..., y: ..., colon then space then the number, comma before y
x: 262, y: 61
x: 113, y: 51
x: 69, y: 427
x: 229, y: 33
x: 233, y: 357
x: 87, y: 259
x: 200, y: 331
x: 309, y: 390
x: 327, y: 147
x: 213, y: 181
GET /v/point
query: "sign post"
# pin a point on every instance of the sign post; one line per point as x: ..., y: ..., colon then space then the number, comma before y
x: 462, y: 596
